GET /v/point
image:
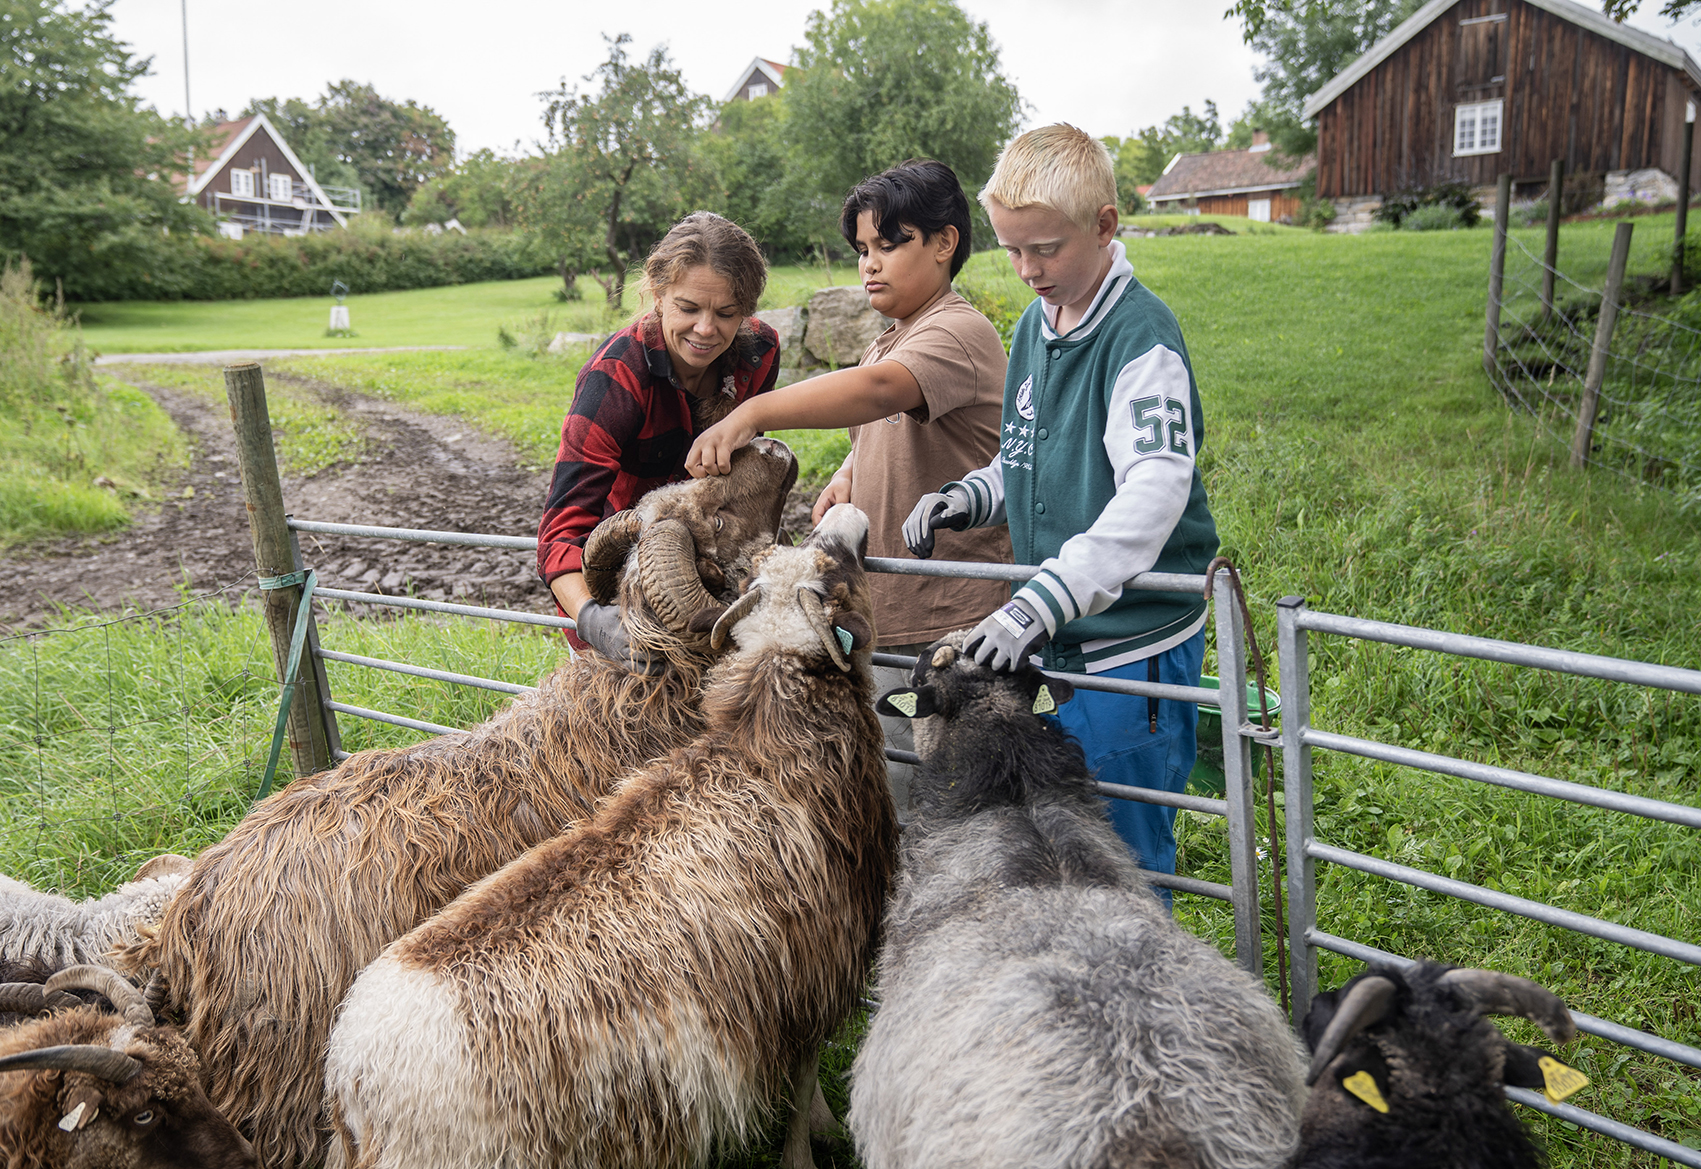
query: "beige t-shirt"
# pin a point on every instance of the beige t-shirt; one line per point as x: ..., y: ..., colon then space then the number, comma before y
x: 956, y: 358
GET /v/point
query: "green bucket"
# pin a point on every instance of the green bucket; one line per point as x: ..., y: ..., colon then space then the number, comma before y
x: 1207, y: 774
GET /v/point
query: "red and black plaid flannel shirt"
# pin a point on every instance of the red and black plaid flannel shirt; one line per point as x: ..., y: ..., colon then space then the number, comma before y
x: 628, y: 430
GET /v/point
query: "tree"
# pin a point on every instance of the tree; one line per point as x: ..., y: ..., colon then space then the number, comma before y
x: 1305, y: 43
x: 388, y: 148
x: 746, y: 156
x: 626, y: 155
x: 879, y: 81
x: 477, y: 192
x: 86, y: 190
x: 1142, y: 158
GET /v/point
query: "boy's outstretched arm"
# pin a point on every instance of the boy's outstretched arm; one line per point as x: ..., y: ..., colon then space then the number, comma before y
x: 846, y: 397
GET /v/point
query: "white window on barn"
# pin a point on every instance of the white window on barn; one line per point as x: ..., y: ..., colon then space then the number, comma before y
x: 758, y: 89
x: 1258, y: 210
x: 242, y: 183
x: 279, y: 187
x: 1476, y: 128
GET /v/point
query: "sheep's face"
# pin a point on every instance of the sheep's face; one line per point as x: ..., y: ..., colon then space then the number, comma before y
x: 1391, y: 1045
x: 946, y: 683
x: 730, y: 517
x: 160, y: 1116
x: 810, y: 599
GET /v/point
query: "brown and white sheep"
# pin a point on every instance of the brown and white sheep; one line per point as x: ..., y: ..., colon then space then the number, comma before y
x: 277, y: 920
x: 644, y: 986
x: 89, y: 1089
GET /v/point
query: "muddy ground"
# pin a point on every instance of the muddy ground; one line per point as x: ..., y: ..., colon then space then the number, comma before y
x: 419, y: 471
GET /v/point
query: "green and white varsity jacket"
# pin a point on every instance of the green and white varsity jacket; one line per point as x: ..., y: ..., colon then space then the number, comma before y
x: 1097, y: 476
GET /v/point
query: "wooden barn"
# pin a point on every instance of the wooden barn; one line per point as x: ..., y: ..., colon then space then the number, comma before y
x: 1231, y: 182
x: 256, y: 183
x: 1466, y: 90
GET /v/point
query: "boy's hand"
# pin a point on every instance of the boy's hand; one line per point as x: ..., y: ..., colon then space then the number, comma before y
x: 948, y: 509
x: 838, y: 490
x: 712, y: 453
x: 600, y: 626
x: 1007, y: 637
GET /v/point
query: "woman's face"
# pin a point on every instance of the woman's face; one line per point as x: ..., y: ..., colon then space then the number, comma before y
x: 699, y: 319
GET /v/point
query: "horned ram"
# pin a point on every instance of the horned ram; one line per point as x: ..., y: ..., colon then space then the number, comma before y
x: 276, y: 921
x: 643, y: 987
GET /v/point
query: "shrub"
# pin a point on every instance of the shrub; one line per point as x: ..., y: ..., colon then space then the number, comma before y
x: 1435, y: 217
x: 1528, y: 214
x: 1457, y: 196
x: 368, y: 258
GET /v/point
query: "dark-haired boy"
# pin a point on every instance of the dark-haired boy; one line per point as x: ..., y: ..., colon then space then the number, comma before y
x: 923, y: 404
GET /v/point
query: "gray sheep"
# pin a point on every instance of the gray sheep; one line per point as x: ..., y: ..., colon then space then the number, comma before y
x: 1038, y: 1006
x: 62, y: 932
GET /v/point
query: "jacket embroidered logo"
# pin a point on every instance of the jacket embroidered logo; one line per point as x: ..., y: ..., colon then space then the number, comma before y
x: 1025, y: 399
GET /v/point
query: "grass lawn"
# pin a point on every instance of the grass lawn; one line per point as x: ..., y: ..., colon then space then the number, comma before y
x: 1356, y: 456
x: 466, y: 314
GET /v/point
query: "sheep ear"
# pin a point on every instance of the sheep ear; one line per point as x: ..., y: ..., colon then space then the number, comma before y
x: 909, y: 702
x: 1365, y: 1002
x: 1524, y: 1066
x: 1050, y: 694
x: 856, y: 627
x: 703, y: 620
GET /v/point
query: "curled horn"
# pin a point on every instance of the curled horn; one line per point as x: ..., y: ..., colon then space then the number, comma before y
x: 110, y: 983
x: 816, y: 610
x: 667, y: 567
x: 30, y: 998
x: 112, y: 1066
x: 740, y: 609
x: 1490, y: 992
x: 1363, y: 1005
x: 606, y: 551
x: 157, y: 992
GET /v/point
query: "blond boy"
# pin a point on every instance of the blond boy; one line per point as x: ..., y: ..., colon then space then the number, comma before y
x: 1097, y: 478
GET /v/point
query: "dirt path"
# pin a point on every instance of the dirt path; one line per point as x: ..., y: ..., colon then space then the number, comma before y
x: 421, y: 471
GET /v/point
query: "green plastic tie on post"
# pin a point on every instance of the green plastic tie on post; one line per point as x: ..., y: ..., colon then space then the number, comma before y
x: 292, y: 665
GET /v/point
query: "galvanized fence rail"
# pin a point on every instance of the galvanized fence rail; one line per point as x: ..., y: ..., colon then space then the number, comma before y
x: 1236, y: 805
x: 1294, y: 623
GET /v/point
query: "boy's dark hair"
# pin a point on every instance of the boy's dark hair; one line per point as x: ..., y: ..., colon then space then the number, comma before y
x: 918, y: 193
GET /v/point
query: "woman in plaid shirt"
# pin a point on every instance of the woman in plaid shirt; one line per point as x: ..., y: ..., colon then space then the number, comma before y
x: 646, y: 393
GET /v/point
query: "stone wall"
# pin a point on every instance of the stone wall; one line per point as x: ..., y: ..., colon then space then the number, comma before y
x: 1355, y: 215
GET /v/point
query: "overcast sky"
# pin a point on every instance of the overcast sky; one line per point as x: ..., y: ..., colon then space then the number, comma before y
x: 1109, y: 66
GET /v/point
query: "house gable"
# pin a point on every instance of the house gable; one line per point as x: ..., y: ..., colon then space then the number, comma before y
x: 760, y: 72
x: 250, y: 139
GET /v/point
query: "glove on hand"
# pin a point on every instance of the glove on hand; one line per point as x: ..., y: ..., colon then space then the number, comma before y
x: 600, y: 625
x: 948, y: 509
x: 1007, y: 637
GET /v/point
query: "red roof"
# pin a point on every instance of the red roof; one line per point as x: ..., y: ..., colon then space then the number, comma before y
x: 1222, y: 171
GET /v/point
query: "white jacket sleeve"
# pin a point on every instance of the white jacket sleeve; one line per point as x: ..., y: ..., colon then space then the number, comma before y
x: 1151, y: 439
x: 985, y: 486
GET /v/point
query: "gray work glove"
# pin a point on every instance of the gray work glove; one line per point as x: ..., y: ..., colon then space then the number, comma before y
x: 600, y: 625
x: 1007, y: 637
x: 938, y: 509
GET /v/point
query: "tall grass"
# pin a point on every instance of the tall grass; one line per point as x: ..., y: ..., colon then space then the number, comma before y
x: 74, y: 449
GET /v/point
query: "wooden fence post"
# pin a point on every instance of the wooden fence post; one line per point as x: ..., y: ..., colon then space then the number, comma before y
x: 245, y: 387
x: 1682, y: 205
x: 1590, y: 404
x: 1496, y: 276
x: 1550, y: 257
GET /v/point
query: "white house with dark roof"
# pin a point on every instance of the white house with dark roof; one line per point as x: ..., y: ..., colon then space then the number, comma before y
x: 759, y: 79
x: 255, y: 182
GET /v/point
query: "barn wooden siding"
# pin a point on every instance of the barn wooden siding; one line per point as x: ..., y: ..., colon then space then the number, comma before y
x: 1569, y: 93
x: 1283, y: 204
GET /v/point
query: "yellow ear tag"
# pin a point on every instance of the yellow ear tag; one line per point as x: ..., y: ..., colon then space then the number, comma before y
x: 904, y: 702
x: 1044, y: 703
x: 1363, y: 1085
x: 1561, y: 1080
x: 845, y: 639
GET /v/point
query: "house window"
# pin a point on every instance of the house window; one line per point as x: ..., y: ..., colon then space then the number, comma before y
x: 758, y: 89
x: 242, y: 183
x: 1258, y: 210
x: 1476, y: 128
x: 279, y: 187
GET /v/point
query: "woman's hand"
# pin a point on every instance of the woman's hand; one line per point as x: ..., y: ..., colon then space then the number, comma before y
x: 838, y: 490
x: 712, y: 453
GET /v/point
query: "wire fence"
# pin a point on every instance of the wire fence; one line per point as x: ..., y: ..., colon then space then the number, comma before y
x: 121, y: 734
x: 1550, y: 360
